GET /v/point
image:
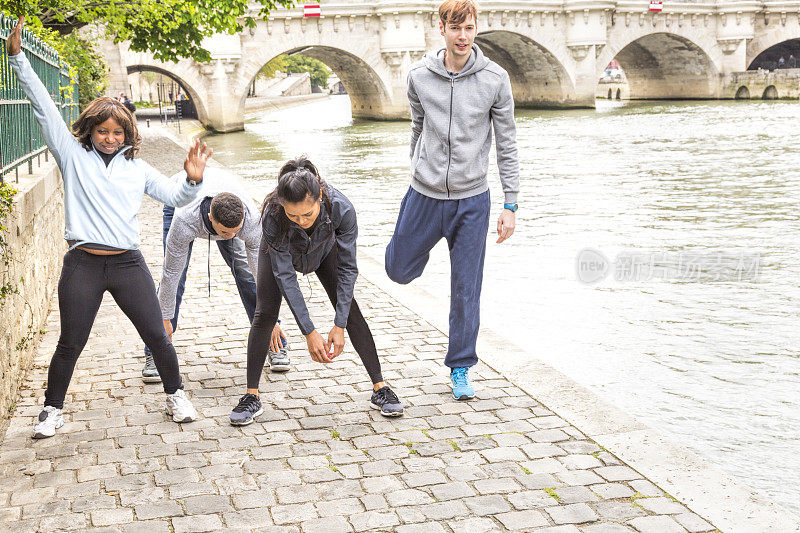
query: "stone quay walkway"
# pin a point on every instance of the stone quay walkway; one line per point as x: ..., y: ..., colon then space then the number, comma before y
x: 319, y: 459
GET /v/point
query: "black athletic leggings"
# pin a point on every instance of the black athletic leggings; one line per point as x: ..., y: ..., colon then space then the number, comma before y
x: 268, y: 303
x: 84, y: 279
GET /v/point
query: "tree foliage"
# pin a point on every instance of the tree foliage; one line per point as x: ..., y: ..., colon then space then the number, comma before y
x: 317, y: 70
x: 169, y: 29
x: 90, y: 67
x: 78, y: 52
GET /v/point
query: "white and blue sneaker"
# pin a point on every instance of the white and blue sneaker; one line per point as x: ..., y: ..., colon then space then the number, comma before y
x: 48, y: 421
x: 462, y: 386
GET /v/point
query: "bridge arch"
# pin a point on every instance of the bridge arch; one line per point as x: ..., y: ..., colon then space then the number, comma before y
x: 743, y: 93
x: 363, y: 73
x: 185, y: 80
x: 664, y: 65
x: 770, y: 93
x: 765, y: 53
x: 368, y: 93
x: 538, y: 77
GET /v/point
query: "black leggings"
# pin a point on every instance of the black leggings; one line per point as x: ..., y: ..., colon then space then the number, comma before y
x: 84, y: 279
x: 268, y: 303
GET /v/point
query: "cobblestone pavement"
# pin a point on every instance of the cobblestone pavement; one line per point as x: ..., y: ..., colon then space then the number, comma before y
x: 318, y: 459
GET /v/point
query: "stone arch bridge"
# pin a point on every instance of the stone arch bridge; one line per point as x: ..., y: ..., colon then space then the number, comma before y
x: 554, y: 51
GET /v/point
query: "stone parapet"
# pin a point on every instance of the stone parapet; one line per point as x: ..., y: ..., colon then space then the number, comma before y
x: 35, y: 237
x: 762, y: 84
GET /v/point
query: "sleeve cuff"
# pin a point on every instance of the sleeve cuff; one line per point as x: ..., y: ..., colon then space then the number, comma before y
x: 511, y: 197
x: 306, y: 327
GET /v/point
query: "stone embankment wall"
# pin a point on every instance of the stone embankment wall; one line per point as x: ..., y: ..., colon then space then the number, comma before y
x: 36, y: 246
x: 613, y: 90
x: 762, y: 84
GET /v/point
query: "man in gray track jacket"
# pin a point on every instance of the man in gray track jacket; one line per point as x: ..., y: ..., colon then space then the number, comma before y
x: 457, y: 98
x: 223, y: 212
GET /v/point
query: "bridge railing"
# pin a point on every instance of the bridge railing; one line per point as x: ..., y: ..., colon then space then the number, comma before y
x: 20, y: 136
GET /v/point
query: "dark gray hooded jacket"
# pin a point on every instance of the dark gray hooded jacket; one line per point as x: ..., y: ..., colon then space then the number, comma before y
x: 299, y: 252
x: 451, y: 127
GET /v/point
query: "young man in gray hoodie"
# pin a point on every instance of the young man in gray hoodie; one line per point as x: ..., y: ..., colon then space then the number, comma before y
x: 457, y: 97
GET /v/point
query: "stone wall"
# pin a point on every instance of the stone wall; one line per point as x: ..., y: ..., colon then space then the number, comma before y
x: 761, y: 84
x: 36, y: 245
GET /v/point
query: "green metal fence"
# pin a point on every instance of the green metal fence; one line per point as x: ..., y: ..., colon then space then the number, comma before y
x: 20, y: 137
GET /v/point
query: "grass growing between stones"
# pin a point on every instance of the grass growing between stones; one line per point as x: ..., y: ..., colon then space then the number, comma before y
x: 552, y: 492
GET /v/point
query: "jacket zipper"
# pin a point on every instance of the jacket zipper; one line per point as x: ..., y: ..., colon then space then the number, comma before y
x: 449, y: 151
x: 305, y: 253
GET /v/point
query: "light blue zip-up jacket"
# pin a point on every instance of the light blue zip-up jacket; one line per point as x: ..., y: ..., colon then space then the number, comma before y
x: 100, y: 203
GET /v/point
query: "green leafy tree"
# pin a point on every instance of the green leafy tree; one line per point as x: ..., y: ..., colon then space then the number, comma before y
x: 170, y: 29
x: 317, y: 70
x: 78, y: 52
x: 81, y: 56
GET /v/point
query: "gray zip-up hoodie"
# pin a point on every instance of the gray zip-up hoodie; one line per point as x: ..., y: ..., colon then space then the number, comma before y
x: 187, y: 225
x: 451, y: 127
x: 300, y: 252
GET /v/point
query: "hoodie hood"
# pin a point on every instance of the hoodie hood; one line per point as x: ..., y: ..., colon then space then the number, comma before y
x: 435, y: 63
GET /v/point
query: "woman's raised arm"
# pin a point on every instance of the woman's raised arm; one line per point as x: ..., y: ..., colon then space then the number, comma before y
x: 55, y: 132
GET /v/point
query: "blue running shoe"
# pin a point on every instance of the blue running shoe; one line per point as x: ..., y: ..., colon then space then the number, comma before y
x: 462, y: 386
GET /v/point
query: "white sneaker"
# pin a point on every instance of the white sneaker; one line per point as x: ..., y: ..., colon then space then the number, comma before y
x: 180, y: 407
x: 50, y: 419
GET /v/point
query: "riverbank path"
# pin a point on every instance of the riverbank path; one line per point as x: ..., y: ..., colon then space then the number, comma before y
x: 318, y: 459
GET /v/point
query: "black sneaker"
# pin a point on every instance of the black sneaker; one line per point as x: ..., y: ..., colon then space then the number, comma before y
x: 248, y: 409
x: 386, y: 401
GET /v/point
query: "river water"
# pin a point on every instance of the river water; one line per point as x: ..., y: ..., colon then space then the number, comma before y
x: 691, y: 207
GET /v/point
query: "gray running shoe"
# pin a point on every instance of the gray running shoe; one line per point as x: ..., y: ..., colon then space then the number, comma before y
x: 180, y: 407
x: 248, y: 409
x: 278, y: 361
x: 385, y: 400
x: 149, y: 371
x: 49, y: 420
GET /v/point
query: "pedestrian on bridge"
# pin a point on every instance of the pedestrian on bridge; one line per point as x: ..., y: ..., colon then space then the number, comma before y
x: 457, y: 97
x: 103, y: 187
